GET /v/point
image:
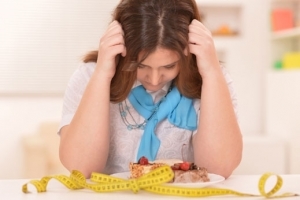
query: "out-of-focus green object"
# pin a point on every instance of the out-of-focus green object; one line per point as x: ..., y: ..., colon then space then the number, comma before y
x: 278, y: 64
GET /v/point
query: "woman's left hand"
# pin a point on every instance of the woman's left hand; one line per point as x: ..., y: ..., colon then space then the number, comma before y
x: 201, y: 44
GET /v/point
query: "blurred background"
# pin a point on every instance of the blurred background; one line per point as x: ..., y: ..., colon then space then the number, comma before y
x: 42, y: 43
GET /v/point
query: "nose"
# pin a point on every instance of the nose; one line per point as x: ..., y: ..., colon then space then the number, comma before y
x: 154, y: 77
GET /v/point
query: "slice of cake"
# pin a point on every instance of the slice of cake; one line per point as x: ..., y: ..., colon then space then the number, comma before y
x: 184, y: 172
x: 191, y: 176
x: 137, y: 170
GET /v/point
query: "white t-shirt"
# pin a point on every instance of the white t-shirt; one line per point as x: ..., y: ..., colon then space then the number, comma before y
x: 176, y: 143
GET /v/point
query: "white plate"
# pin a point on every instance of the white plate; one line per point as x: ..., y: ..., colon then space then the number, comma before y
x: 214, y: 178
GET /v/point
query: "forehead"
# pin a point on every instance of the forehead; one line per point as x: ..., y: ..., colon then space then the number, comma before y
x: 160, y: 57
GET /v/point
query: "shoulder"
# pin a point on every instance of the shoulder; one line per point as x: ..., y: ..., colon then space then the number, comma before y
x: 226, y: 74
x: 80, y: 78
x: 86, y: 68
x: 83, y: 73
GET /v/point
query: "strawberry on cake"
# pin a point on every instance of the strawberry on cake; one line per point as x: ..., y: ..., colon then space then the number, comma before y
x: 184, y: 172
x: 142, y: 167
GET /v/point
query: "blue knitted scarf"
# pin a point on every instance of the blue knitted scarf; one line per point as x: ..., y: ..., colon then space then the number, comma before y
x: 178, y: 109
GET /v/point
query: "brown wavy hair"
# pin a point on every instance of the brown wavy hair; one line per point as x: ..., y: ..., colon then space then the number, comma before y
x: 148, y: 24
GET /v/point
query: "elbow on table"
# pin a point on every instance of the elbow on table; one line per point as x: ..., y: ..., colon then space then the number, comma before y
x: 227, y: 169
x: 83, y: 166
x: 84, y: 169
x: 225, y: 165
x: 226, y: 172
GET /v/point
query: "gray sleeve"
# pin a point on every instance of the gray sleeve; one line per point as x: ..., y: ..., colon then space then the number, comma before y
x: 74, y: 92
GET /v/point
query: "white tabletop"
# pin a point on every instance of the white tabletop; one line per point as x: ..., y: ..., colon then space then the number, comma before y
x: 12, y: 189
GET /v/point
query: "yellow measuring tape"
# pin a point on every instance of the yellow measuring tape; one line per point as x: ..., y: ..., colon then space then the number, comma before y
x: 151, y: 182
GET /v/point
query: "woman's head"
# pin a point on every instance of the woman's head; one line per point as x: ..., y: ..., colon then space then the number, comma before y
x: 158, y: 68
x: 149, y: 25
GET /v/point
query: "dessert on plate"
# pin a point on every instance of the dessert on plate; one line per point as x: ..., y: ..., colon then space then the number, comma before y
x: 184, y: 172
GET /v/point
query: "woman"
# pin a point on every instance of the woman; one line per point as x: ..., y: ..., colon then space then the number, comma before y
x: 140, y: 93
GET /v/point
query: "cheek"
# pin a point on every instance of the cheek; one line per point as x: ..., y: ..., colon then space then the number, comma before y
x: 140, y: 75
x: 174, y: 73
x: 170, y: 75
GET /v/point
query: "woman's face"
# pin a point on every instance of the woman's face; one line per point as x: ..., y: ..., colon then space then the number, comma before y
x: 158, y: 68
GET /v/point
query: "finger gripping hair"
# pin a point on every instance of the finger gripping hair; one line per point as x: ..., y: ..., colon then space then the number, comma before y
x: 148, y: 24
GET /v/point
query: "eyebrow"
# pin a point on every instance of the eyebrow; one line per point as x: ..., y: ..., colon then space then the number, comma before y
x: 161, y: 66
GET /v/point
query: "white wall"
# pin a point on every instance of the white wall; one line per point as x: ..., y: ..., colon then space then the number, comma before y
x: 19, y: 117
x: 81, y: 25
x: 247, y: 62
x: 283, y: 103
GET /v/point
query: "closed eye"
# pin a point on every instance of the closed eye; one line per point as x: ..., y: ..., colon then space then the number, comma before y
x: 142, y: 66
x: 170, y: 66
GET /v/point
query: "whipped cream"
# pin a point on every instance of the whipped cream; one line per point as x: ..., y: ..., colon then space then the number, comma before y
x: 169, y: 162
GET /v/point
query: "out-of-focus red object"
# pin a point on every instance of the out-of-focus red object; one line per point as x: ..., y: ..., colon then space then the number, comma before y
x: 282, y: 19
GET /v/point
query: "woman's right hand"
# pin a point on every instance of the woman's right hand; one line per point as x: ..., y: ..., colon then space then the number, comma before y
x: 111, y: 44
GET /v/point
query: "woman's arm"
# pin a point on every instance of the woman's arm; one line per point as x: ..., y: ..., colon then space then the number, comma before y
x: 84, y: 143
x: 218, y: 141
